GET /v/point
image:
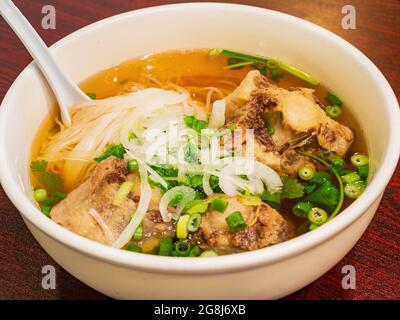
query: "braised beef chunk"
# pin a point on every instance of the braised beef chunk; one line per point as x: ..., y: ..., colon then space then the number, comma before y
x: 265, y: 227
x: 97, y: 193
x: 296, y: 116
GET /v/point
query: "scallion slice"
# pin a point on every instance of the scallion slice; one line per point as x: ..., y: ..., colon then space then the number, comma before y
x: 122, y: 193
x: 236, y: 222
x: 182, y: 226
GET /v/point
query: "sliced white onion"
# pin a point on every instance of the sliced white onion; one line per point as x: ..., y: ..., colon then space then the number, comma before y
x: 145, y: 197
x: 271, y: 179
x: 206, y: 184
x: 188, y: 194
x: 217, y: 117
x: 106, y: 229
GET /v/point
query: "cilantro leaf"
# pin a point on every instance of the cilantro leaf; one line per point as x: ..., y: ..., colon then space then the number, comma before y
x: 326, y: 196
x: 292, y: 188
x: 191, y: 153
x: 116, y: 150
x: 272, y: 199
x: 38, y: 165
x: 194, y: 123
x: 51, y: 182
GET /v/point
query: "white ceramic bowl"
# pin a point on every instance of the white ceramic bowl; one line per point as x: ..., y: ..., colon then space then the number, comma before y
x: 267, y: 273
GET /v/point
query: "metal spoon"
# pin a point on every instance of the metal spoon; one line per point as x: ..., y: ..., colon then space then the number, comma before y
x: 65, y: 90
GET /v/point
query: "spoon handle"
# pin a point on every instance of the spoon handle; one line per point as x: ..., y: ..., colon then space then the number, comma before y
x: 65, y: 90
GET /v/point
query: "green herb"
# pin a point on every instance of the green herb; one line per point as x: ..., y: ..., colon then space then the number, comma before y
x: 132, y: 136
x: 195, y: 252
x: 133, y: 247
x: 270, y: 129
x: 218, y: 204
x: 363, y: 171
x: 301, y: 209
x: 333, y: 111
x: 191, y: 153
x: 116, y: 150
x: 51, y: 182
x: 181, y: 249
x: 317, y: 216
x: 196, y: 206
x: 351, y: 177
x: 38, y: 165
x: 133, y: 165
x: 194, y: 123
x: 138, y: 235
x: 40, y: 195
x: 339, y: 180
x: 50, y: 201
x: 236, y: 222
x: 194, y: 222
x: 91, y: 95
x: 165, y: 247
x: 46, y: 210
x: 264, y: 62
x: 326, y: 196
x: 333, y: 100
x: 272, y: 199
x: 60, y: 195
x: 292, y: 188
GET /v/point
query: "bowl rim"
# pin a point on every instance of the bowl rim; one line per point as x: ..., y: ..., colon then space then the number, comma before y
x: 220, y: 264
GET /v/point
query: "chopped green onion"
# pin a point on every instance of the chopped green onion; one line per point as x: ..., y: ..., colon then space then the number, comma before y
x: 218, y: 204
x: 197, y: 206
x: 194, y: 222
x: 50, y: 201
x: 133, y: 165
x: 237, y: 65
x: 313, y: 226
x: 337, y: 162
x: 122, y: 193
x: 359, y: 160
x: 181, y: 249
x: 306, y: 172
x: 272, y: 64
x: 250, y: 200
x: 333, y: 100
x: 194, y: 123
x: 257, y: 59
x: 236, y: 222
x: 133, y: 247
x: 351, y: 177
x: 209, y: 253
x: 182, y: 227
x: 132, y: 136
x: 91, y: 95
x: 354, y: 190
x: 333, y: 111
x: 165, y: 247
x: 40, y: 195
x: 60, y: 195
x: 363, y: 171
x: 116, y: 150
x: 317, y: 216
x: 270, y: 129
x: 195, y: 252
x: 302, y: 209
x: 339, y: 180
x: 138, y: 235
x: 46, y: 210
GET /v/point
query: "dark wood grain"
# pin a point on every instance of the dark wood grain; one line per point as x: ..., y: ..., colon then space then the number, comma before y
x: 376, y: 255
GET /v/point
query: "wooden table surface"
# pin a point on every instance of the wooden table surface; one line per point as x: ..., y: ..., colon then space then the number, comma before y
x: 376, y: 255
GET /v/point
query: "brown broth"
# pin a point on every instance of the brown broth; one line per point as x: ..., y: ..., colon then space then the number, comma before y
x: 192, y: 69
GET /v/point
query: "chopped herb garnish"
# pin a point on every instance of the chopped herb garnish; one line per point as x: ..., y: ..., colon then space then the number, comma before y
x: 292, y: 188
x: 326, y: 196
x: 191, y: 153
x: 333, y: 99
x: 236, y: 222
x: 133, y: 247
x: 38, y: 165
x: 116, y: 150
x: 272, y: 199
x: 91, y: 95
x: 194, y: 123
x: 196, y: 206
x: 51, y: 182
x: 263, y: 62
